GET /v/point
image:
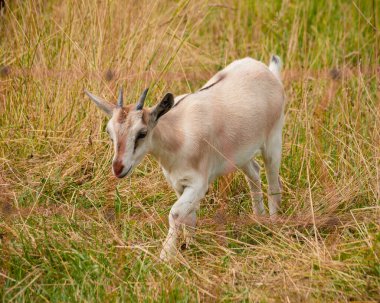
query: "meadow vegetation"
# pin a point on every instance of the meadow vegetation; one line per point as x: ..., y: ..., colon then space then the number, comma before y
x: 70, y: 232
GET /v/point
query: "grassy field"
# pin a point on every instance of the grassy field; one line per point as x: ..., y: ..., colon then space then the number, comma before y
x: 71, y: 232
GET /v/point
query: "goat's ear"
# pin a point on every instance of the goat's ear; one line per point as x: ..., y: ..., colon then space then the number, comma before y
x: 163, y: 107
x: 102, y: 104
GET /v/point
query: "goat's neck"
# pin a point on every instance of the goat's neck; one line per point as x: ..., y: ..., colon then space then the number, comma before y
x: 162, y: 141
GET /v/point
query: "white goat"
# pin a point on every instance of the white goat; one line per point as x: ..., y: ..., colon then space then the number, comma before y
x: 200, y: 136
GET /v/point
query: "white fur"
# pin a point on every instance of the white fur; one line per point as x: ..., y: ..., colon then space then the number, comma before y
x: 237, y: 114
x: 239, y: 104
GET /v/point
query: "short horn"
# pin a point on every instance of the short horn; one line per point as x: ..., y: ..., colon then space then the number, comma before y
x: 120, y: 99
x: 140, y: 103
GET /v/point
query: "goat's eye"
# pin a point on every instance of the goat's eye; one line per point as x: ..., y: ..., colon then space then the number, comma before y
x: 141, y: 135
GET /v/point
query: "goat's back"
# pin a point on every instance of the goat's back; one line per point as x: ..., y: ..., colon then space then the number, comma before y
x: 232, y: 115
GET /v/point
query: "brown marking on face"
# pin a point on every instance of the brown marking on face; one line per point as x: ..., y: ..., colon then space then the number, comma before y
x: 122, y: 116
x: 120, y: 149
x: 123, y: 113
x: 121, y: 124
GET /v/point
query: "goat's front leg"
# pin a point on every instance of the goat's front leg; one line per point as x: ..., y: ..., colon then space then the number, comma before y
x: 182, y: 214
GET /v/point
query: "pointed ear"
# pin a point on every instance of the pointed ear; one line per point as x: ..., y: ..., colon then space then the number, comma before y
x: 163, y: 107
x: 102, y: 104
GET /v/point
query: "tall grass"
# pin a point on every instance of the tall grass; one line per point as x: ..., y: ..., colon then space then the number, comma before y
x: 70, y: 232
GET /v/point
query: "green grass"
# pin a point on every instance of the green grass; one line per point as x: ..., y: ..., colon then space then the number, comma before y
x: 70, y: 232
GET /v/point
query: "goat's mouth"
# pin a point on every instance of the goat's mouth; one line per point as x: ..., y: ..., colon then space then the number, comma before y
x: 123, y: 174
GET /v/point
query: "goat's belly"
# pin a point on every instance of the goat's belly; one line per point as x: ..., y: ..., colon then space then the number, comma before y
x: 226, y: 164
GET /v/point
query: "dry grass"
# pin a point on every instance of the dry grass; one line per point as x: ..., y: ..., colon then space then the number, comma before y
x: 70, y: 232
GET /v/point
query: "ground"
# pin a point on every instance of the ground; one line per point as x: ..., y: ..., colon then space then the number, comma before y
x: 69, y: 231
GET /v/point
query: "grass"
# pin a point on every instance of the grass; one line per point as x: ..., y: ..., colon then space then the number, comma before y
x: 70, y: 232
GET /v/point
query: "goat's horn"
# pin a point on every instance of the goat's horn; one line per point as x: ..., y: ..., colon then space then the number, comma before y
x: 140, y: 103
x: 120, y: 99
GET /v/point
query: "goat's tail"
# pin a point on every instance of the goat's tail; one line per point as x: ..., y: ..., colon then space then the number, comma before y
x: 275, y: 65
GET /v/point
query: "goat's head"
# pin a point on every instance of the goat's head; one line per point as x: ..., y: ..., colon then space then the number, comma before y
x: 130, y: 128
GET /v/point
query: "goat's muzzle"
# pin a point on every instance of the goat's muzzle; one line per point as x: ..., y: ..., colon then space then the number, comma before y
x: 118, y: 168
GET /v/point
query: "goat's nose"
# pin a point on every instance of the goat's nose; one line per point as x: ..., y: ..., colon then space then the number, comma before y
x: 117, y: 167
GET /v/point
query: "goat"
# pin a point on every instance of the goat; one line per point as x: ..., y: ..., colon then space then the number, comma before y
x: 197, y: 137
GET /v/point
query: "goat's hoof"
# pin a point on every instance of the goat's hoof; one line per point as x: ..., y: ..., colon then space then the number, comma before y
x: 167, y: 256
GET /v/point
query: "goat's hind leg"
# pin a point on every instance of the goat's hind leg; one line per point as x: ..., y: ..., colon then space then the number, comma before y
x: 252, y: 175
x: 272, y: 160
